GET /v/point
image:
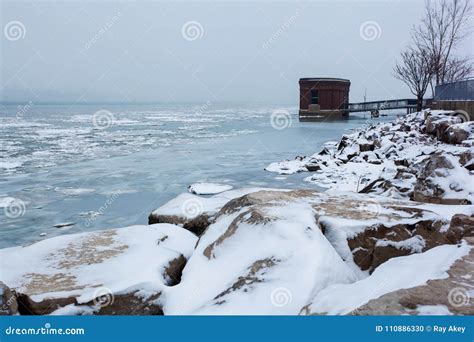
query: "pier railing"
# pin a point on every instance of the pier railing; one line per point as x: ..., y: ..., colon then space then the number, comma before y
x: 382, y: 105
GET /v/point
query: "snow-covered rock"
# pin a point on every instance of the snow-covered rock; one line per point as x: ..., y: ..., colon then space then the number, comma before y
x: 442, y: 179
x: 192, y: 212
x: 369, y: 230
x: 8, y: 301
x: 398, y: 273
x: 117, y: 271
x: 458, y: 133
x: 447, y: 295
x: 264, y: 254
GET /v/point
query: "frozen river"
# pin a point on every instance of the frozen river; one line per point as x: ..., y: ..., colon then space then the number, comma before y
x: 63, y: 164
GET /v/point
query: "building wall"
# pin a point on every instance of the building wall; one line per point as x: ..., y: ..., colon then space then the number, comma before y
x: 466, y: 106
x: 332, y: 94
x: 461, y: 90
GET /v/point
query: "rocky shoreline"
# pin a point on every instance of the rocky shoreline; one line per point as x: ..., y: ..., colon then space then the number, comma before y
x: 392, y: 234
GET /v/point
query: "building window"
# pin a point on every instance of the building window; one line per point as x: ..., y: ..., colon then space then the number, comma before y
x: 314, y: 97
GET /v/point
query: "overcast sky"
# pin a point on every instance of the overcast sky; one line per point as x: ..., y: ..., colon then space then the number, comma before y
x: 139, y: 51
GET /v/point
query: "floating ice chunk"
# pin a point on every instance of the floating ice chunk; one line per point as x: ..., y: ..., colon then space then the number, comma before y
x: 208, y: 188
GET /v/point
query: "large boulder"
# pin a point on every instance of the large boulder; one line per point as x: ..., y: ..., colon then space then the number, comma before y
x: 394, y: 286
x: 447, y: 296
x: 117, y: 271
x: 461, y: 225
x: 192, y: 212
x: 438, y: 124
x: 369, y: 230
x: 8, y: 301
x: 466, y: 159
x: 379, y: 243
x: 264, y: 254
x: 457, y: 133
x: 443, y: 180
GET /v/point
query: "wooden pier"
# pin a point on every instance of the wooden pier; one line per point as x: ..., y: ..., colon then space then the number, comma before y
x: 409, y: 104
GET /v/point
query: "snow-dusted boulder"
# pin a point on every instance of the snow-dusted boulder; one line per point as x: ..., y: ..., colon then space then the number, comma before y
x: 457, y: 133
x: 264, y: 254
x: 447, y: 295
x: 8, y: 301
x: 466, y: 159
x: 369, y: 230
x: 443, y: 268
x: 192, y: 212
x: 438, y: 124
x: 449, y: 128
x: 117, y: 271
x: 418, y: 231
x: 443, y: 180
x: 461, y: 225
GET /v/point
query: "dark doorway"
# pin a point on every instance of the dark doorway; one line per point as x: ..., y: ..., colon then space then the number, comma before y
x: 314, y: 97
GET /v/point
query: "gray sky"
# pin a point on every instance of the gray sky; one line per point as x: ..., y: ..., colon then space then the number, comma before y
x: 242, y: 51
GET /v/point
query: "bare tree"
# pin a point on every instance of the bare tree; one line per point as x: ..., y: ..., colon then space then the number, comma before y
x: 415, y: 70
x: 444, y: 26
x: 458, y: 69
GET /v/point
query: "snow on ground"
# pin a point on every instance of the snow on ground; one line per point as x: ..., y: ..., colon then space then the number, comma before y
x: 397, y: 273
x: 208, y: 188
